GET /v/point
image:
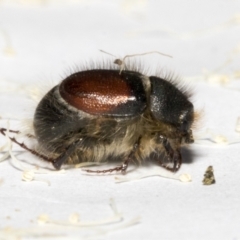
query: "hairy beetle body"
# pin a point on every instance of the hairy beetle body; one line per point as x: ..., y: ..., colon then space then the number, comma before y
x: 98, y: 115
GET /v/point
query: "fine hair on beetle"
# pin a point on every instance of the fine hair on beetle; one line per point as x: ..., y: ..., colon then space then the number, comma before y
x: 105, y: 112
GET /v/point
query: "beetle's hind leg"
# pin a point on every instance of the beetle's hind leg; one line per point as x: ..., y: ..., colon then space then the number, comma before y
x: 174, y: 156
x: 23, y: 145
x: 57, y: 162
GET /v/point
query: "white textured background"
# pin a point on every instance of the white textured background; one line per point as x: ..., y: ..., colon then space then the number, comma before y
x: 43, y: 41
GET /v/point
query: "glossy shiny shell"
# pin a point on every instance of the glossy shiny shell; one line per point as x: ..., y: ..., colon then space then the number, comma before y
x: 105, y: 92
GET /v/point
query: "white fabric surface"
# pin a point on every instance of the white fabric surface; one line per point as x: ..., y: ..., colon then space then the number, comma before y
x: 41, y: 42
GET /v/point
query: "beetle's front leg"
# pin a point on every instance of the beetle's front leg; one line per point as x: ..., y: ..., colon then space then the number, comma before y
x: 174, y: 156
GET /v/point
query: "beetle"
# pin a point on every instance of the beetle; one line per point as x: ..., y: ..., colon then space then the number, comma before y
x: 102, y: 114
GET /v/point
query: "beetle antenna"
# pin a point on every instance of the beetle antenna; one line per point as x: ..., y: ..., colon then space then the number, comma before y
x: 121, y: 62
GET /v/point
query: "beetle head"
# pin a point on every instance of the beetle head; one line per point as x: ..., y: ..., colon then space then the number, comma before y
x: 170, y: 105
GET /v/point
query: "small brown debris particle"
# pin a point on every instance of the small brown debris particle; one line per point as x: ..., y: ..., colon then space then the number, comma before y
x: 209, y: 176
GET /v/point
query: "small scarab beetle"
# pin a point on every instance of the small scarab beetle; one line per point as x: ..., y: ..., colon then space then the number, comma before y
x: 103, y: 114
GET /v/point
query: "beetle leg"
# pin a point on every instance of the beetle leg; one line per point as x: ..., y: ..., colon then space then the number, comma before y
x: 3, y: 130
x: 60, y: 160
x: 173, y: 156
x: 122, y: 167
x: 23, y: 145
x: 57, y: 162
